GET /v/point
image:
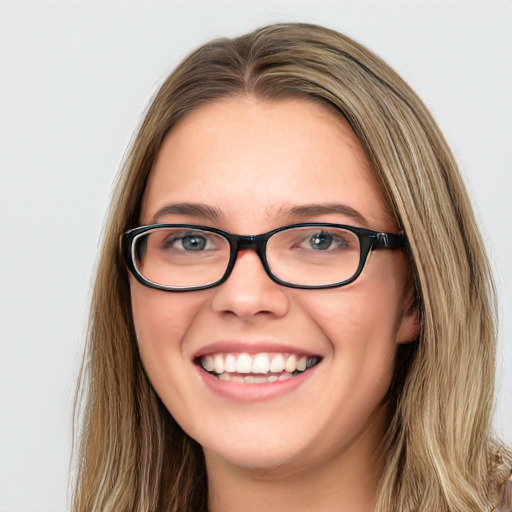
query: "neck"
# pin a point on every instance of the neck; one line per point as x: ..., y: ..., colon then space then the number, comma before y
x: 344, y: 484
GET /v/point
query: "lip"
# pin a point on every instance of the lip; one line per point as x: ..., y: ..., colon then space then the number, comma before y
x: 246, y: 393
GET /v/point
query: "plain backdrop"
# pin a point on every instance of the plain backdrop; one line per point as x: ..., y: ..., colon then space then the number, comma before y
x: 74, y: 80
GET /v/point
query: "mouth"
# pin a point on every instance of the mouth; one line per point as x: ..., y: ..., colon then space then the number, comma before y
x: 259, y: 368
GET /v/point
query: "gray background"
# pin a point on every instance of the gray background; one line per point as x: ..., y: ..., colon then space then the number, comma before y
x: 74, y: 79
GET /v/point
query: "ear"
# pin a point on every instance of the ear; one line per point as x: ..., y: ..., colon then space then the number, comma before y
x: 410, y: 325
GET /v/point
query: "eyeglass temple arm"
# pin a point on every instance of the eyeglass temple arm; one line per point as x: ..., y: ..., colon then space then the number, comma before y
x: 389, y: 240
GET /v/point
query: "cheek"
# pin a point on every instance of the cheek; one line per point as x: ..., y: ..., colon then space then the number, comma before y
x: 361, y: 322
x: 355, y: 313
x: 161, y: 321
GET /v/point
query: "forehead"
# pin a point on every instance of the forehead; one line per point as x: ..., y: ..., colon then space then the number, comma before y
x: 254, y: 159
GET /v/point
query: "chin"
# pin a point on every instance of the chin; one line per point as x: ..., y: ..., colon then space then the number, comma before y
x: 254, y: 459
x: 278, y: 450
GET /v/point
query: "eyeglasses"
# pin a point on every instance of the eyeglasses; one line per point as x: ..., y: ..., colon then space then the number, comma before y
x: 186, y: 257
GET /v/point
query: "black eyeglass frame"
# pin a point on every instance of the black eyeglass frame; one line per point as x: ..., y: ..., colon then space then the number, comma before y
x: 368, y: 240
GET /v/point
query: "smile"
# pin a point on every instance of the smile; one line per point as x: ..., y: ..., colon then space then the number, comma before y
x: 260, y: 368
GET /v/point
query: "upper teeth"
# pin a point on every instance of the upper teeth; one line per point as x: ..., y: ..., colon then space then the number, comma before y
x: 261, y: 363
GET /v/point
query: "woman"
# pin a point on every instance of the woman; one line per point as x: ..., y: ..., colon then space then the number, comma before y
x: 293, y: 309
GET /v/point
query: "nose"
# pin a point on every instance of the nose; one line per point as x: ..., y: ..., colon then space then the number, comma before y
x: 249, y: 293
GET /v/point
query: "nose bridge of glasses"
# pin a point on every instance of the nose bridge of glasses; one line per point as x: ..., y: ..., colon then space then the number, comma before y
x: 250, y: 242
x: 254, y: 243
x: 246, y: 242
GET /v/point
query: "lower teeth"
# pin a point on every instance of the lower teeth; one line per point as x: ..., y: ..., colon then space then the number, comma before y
x: 252, y: 379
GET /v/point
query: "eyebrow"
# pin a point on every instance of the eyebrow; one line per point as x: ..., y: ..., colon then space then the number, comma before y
x: 204, y: 211
x: 312, y: 210
x: 199, y: 210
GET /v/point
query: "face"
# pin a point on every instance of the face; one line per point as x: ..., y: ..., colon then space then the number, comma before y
x: 247, y: 166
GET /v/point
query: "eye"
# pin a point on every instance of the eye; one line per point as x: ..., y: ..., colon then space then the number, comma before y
x: 323, y: 241
x: 193, y: 242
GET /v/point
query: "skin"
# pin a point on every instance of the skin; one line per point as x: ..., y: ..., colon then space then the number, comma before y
x: 317, y: 446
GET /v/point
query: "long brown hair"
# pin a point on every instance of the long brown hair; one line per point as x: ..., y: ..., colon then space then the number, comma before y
x: 132, y: 456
